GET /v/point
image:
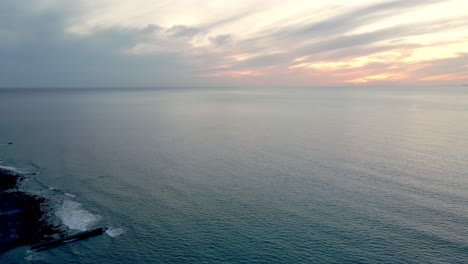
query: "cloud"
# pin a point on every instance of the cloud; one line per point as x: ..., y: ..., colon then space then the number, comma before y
x: 183, y: 31
x: 143, y: 43
x: 221, y: 40
x: 42, y: 54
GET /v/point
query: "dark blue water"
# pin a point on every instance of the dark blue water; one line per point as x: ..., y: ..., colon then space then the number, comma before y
x: 323, y: 175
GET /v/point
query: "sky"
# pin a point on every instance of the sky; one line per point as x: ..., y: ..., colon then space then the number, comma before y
x: 144, y: 43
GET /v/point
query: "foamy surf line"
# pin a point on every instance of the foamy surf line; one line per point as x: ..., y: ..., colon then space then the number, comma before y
x: 73, y: 216
x: 40, y: 215
x: 71, y: 213
x: 71, y: 195
x: 33, y: 218
x: 115, y: 231
x: 10, y: 169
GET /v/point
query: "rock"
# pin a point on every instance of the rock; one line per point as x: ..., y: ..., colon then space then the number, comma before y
x: 27, y: 225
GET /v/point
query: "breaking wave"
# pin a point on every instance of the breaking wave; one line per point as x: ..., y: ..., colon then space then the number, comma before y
x: 38, y: 212
x: 115, y: 231
x: 10, y: 169
x: 72, y: 215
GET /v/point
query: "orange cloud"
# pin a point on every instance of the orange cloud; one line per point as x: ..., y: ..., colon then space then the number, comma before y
x: 379, y: 77
x: 235, y: 74
x: 447, y: 77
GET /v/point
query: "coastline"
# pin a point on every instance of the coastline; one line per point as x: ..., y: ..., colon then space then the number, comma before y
x: 22, y: 215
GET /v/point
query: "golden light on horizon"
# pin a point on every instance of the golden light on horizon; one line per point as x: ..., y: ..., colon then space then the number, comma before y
x: 236, y: 74
x: 313, y: 42
x: 379, y: 77
x: 447, y: 77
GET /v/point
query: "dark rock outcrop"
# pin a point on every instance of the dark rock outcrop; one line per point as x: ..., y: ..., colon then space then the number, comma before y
x: 21, y: 215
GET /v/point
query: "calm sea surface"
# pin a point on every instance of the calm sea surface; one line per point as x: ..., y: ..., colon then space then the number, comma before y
x: 320, y: 175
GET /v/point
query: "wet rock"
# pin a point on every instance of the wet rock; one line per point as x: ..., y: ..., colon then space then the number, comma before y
x: 21, y: 215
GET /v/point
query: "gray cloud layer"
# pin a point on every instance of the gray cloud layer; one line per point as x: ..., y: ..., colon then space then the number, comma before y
x: 36, y: 50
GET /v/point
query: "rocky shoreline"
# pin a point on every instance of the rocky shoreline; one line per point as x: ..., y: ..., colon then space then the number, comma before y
x: 21, y: 214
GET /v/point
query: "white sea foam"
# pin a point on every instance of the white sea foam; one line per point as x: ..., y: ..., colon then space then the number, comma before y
x: 73, y: 215
x: 10, y: 169
x: 71, y: 195
x: 115, y: 231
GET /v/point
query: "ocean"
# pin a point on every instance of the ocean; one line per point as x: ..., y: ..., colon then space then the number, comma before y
x: 244, y: 175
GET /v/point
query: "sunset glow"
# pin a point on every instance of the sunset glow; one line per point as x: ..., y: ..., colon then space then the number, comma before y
x: 211, y: 42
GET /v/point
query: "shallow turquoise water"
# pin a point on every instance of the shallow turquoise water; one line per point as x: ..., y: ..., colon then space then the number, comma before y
x: 331, y: 175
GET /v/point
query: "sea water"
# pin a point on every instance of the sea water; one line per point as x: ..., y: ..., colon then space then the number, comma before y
x: 251, y: 175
